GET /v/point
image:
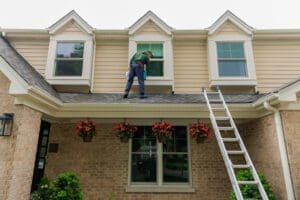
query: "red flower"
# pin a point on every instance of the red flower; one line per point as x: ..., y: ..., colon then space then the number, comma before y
x: 199, y: 130
x: 162, y: 129
x: 124, y: 129
x: 86, y: 127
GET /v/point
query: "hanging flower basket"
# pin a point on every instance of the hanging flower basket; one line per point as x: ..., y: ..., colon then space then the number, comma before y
x: 86, y: 129
x: 124, y: 131
x: 162, y: 131
x: 200, y: 131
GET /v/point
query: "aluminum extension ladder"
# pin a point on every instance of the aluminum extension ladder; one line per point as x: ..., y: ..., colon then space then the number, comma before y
x: 218, y: 104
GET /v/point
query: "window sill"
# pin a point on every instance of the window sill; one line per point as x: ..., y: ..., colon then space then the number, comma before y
x: 156, y: 82
x: 233, y: 82
x: 69, y: 81
x: 160, y: 189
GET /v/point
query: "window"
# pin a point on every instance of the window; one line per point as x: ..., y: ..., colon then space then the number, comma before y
x: 156, y: 67
x: 154, y: 163
x: 231, y: 59
x: 69, y: 59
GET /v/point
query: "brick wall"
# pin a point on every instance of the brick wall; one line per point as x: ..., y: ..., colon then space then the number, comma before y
x: 18, y: 150
x: 260, y: 138
x: 102, y: 166
x: 291, y: 128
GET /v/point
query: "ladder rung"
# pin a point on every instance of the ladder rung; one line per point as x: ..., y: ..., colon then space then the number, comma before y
x: 222, y: 118
x: 235, y: 152
x: 212, y: 93
x: 215, y: 101
x: 226, y: 128
x: 241, y: 166
x: 247, y: 182
x: 230, y: 139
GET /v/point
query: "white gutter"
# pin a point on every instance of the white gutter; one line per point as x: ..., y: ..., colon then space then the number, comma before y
x: 282, y: 151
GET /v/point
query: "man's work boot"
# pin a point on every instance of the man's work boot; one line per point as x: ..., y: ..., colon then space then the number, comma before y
x: 125, y: 96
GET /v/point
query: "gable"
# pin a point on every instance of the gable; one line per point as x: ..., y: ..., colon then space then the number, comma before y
x: 71, y: 28
x: 228, y: 28
x: 150, y: 28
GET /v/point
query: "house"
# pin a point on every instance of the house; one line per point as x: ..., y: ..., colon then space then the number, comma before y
x: 51, y: 78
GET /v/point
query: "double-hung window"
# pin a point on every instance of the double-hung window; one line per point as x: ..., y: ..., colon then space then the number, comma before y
x: 154, y: 163
x: 231, y: 59
x: 69, y: 59
x: 156, y: 67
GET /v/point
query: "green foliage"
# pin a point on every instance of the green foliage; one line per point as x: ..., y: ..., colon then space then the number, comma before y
x: 251, y: 191
x: 65, y: 187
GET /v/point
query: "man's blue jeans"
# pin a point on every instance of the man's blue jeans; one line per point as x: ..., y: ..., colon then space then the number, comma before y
x: 135, y: 70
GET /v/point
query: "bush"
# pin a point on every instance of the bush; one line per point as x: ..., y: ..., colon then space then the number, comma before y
x: 251, y: 191
x: 65, y: 187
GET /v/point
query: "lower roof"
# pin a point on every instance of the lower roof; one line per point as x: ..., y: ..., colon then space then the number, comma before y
x: 153, y: 98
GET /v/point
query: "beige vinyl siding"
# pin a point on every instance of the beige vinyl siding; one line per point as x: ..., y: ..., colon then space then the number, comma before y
x: 34, y: 51
x: 111, y: 63
x: 150, y: 28
x: 190, y: 66
x: 229, y: 28
x: 71, y: 28
x: 277, y: 62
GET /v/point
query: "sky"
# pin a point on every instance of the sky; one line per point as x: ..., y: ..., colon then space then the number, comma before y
x: 179, y: 14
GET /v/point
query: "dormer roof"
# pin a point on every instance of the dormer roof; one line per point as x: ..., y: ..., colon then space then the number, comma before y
x: 154, y: 18
x: 72, y: 15
x: 229, y: 16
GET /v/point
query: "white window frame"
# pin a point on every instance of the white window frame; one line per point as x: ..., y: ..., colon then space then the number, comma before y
x: 215, y: 79
x: 155, y: 59
x: 79, y: 59
x: 159, y: 186
x: 85, y: 78
x: 232, y: 59
x: 166, y: 40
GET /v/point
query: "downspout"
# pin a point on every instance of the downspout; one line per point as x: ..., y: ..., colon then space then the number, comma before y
x: 282, y: 151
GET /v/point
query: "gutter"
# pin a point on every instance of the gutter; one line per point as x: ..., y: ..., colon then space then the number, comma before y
x: 282, y: 151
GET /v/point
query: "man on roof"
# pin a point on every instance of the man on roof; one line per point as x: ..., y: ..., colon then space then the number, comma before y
x: 137, y: 63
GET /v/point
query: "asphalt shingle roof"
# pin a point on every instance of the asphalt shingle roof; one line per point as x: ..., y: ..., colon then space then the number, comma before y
x: 153, y: 98
x: 23, y: 68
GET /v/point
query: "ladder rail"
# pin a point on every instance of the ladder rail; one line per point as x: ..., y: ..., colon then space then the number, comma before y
x: 225, y: 156
x: 243, y: 148
x: 229, y: 165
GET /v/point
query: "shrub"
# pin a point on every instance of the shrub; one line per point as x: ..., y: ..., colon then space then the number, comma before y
x: 251, y: 191
x: 65, y: 187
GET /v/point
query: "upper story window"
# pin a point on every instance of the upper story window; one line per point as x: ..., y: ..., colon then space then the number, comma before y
x: 156, y: 66
x: 231, y: 59
x: 157, y: 164
x: 69, y: 59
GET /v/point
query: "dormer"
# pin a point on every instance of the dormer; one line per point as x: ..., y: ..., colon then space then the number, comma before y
x: 70, y: 55
x: 152, y: 33
x: 230, y: 53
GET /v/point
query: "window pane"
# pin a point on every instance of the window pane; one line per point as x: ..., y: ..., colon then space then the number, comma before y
x: 143, y: 47
x: 232, y: 68
x: 155, y: 68
x: 70, y: 50
x: 68, y: 68
x: 178, y: 141
x: 157, y: 50
x: 143, y: 168
x: 175, y: 168
x: 230, y: 50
